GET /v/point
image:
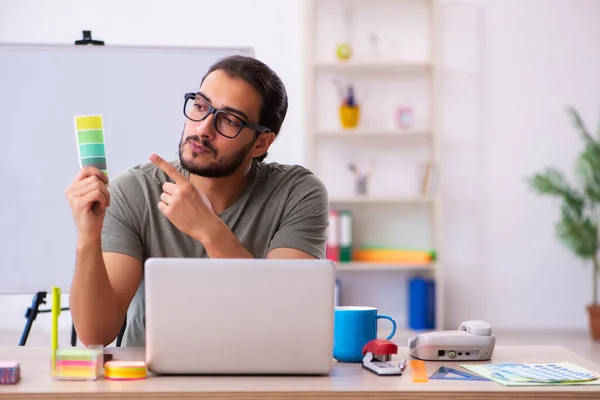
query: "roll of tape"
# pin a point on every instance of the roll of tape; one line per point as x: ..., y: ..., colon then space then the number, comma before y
x: 125, y: 370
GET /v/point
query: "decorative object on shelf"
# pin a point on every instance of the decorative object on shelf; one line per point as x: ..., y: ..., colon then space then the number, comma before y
x: 421, y: 303
x: 343, y: 51
x: 578, y: 225
x: 349, y: 110
x: 362, y: 180
x: 427, y: 179
x: 404, y: 117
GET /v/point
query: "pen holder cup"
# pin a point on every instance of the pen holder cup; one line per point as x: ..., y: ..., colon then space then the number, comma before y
x: 76, y: 364
x: 349, y: 116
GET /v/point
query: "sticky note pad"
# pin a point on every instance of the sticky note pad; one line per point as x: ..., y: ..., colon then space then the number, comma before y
x: 125, y: 370
x: 89, y: 130
x: 10, y: 372
x: 78, y: 364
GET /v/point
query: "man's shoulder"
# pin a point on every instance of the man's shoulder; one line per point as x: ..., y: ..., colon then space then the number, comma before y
x: 294, y: 180
x: 274, y: 174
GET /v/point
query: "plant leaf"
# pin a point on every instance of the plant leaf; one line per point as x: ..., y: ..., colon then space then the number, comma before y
x: 578, y: 233
x: 578, y: 123
x: 553, y: 183
x: 588, y: 169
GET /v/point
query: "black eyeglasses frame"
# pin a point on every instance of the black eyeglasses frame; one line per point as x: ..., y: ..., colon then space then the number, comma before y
x: 212, y: 110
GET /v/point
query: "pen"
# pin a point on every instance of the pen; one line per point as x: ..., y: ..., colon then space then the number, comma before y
x: 56, y: 292
x: 402, y: 364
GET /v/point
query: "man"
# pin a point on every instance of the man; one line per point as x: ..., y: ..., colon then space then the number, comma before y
x: 218, y: 200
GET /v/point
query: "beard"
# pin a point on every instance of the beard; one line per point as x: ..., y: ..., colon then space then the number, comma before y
x: 221, y: 168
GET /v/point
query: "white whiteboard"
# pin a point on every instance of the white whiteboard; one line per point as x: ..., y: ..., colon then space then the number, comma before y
x: 138, y: 90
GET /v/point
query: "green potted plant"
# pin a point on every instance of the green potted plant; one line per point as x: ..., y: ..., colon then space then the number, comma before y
x: 577, y: 227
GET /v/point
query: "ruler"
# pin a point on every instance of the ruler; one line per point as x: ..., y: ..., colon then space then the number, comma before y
x: 418, y: 371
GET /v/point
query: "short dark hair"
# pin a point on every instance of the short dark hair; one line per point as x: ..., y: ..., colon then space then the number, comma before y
x: 262, y: 78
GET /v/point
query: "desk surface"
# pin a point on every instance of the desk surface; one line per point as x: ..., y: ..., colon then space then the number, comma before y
x: 345, y: 381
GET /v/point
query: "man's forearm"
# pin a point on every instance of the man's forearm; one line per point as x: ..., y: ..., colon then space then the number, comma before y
x: 93, y: 304
x: 220, y: 242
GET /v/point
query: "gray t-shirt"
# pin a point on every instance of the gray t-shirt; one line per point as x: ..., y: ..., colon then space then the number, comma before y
x: 282, y: 206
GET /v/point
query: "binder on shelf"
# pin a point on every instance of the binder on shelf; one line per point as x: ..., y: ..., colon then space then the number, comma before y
x: 333, y: 247
x: 395, y: 256
x: 421, y: 303
x: 346, y: 235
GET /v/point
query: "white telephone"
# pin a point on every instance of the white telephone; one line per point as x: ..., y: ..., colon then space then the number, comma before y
x: 472, y: 341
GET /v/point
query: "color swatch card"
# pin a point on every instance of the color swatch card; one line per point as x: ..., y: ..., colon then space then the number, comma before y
x: 89, y: 130
x: 524, y: 374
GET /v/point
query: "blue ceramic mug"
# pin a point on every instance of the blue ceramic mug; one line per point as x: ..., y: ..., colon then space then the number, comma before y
x: 354, y: 327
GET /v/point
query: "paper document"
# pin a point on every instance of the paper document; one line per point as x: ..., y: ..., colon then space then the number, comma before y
x: 563, y: 373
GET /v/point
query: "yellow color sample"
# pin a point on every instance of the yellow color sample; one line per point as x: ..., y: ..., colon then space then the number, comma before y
x: 88, y: 122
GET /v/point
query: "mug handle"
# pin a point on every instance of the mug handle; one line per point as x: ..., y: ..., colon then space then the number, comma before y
x: 393, y: 325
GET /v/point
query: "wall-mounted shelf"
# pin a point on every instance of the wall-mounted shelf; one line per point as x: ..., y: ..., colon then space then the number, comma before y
x: 384, y: 134
x: 381, y: 199
x: 373, y: 67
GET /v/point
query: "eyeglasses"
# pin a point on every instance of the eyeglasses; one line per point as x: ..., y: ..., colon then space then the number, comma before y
x: 196, y: 109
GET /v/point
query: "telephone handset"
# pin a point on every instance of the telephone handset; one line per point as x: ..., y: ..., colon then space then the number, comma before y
x: 473, y: 340
x: 476, y: 328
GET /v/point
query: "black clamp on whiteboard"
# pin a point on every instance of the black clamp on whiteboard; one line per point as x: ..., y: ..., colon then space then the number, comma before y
x: 87, y: 40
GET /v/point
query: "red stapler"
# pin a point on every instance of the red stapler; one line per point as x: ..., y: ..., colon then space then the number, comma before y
x: 377, y: 357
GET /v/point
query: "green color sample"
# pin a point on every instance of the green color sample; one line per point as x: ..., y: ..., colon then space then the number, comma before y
x: 98, y: 162
x: 92, y: 150
x: 90, y: 136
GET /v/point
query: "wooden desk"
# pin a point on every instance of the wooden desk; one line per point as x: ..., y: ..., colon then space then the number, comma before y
x: 349, y: 381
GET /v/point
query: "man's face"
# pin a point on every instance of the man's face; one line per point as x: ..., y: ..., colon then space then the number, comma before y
x: 205, y: 152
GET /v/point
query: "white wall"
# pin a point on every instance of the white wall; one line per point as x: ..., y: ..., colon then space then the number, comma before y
x: 538, y: 56
x: 503, y: 262
x: 542, y: 56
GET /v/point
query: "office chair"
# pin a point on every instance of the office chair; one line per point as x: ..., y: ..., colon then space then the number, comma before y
x: 32, y: 311
x: 119, y: 337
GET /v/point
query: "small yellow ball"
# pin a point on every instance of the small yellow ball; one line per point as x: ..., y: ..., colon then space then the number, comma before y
x: 344, y: 51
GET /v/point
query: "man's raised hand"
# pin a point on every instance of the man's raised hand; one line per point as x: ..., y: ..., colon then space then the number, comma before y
x: 88, y: 198
x: 181, y: 202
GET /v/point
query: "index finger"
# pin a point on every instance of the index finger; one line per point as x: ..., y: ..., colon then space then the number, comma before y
x: 168, y: 169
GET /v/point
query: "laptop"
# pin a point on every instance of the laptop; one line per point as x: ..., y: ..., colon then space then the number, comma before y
x: 239, y: 316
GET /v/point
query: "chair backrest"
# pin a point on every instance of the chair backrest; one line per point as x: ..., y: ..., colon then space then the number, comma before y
x: 119, y: 337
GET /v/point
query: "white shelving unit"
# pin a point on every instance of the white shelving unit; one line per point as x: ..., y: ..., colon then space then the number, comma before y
x: 397, y: 68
